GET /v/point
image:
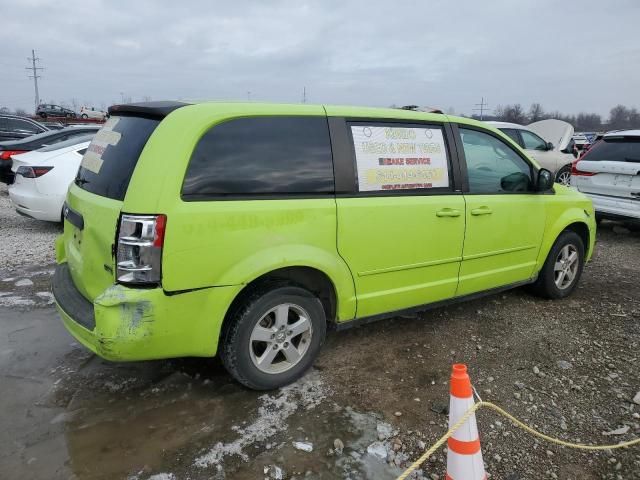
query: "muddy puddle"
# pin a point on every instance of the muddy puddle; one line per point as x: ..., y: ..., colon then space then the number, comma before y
x: 69, y: 414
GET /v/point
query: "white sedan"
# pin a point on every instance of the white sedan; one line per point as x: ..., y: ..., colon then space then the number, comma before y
x: 42, y: 178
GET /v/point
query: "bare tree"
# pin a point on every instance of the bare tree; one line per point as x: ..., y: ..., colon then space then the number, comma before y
x: 511, y: 113
x: 536, y: 113
x: 618, y: 117
x: 21, y: 112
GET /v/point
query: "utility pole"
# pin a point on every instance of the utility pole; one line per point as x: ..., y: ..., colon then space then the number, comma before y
x: 482, y: 107
x: 304, y: 94
x: 33, y: 59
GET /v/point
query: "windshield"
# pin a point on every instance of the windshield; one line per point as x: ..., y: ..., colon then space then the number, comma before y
x: 615, y: 149
x: 111, y: 158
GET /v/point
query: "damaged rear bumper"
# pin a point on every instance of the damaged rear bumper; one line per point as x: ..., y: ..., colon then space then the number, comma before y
x: 124, y: 324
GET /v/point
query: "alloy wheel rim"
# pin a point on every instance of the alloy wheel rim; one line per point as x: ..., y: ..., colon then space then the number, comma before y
x: 564, y: 178
x: 280, y: 339
x: 566, y: 266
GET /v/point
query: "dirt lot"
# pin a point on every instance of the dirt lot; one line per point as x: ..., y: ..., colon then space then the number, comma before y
x: 569, y: 368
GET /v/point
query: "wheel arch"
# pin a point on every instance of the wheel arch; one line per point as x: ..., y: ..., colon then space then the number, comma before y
x: 571, y: 221
x: 312, y: 279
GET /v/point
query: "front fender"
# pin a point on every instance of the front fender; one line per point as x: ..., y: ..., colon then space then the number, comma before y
x: 560, y: 223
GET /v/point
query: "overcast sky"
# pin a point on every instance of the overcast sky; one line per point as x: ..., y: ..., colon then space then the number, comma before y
x: 569, y: 55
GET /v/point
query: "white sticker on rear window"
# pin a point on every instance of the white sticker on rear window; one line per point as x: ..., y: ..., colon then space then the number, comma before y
x: 92, y: 160
x: 400, y: 158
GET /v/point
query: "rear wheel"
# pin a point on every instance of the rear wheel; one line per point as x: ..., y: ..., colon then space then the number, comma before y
x: 563, y: 176
x: 273, y: 337
x: 562, y: 269
x: 43, y: 115
x: 85, y: 116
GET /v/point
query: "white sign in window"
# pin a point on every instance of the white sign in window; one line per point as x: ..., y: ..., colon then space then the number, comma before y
x: 400, y: 158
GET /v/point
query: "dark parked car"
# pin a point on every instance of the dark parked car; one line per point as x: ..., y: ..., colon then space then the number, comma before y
x: 15, y: 147
x: 47, y: 110
x: 14, y: 127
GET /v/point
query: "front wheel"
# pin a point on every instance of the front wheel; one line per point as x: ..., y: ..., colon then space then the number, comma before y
x: 562, y: 269
x: 85, y: 116
x: 563, y: 177
x: 273, y: 337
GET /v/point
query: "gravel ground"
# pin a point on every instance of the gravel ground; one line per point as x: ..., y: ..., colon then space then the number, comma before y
x: 25, y: 241
x: 568, y: 368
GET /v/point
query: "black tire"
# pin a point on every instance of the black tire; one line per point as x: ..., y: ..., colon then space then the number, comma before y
x: 566, y: 170
x: 85, y: 116
x: 239, y: 325
x: 43, y: 115
x: 545, y: 285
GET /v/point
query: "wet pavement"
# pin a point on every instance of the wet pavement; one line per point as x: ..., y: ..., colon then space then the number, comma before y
x: 72, y: 415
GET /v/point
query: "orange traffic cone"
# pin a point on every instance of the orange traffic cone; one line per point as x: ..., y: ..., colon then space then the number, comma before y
x: 464, y: 458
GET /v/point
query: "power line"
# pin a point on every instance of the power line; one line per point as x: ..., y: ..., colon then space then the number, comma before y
x: 482, y: 107
x: 33, y: 59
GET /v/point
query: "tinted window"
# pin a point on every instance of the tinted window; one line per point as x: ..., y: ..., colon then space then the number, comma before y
x: 16, y: 124
x: 492, y: 165
x: 621, y: 149
x: 262, y: 155
x: 532, y: 141
x: 113, y: 154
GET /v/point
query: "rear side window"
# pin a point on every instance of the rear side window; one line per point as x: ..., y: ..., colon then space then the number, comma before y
x: 111, y: 158
x: 24, y: 126
x: 621, y: 149
x: 397, y: 156
x: 262, y: 156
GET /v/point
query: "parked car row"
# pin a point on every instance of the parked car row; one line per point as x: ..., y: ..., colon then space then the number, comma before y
x: 10, y: 149
x: 46, y: 110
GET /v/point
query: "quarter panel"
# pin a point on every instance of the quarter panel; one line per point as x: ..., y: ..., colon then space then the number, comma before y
x: 219, y: 243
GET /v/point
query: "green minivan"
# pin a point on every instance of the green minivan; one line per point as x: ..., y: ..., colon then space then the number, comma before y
x: 247, y: 230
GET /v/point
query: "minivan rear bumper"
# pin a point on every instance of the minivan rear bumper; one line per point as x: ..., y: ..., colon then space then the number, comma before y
x: 125, y: 324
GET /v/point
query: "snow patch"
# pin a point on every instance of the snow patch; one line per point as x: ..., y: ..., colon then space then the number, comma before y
x: 272, y: 414
x: 15, y: 301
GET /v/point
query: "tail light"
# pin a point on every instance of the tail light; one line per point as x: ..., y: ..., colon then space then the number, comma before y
x: 579, y: 173
x: 32, y: 172
x: 139, y: 251
x: 6, y: 154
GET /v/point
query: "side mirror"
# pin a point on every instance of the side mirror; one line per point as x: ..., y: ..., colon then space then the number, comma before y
x: 544, y: 181
x: 549, y: 146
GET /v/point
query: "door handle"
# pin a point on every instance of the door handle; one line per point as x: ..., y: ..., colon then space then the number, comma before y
x: 448, y: 212
x: 481, y: 211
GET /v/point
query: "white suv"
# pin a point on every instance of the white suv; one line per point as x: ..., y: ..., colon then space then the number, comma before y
x: 547, y: 141
x: 609, y: 173
x: 91, y: 112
